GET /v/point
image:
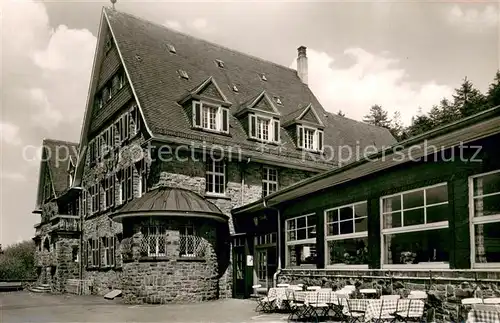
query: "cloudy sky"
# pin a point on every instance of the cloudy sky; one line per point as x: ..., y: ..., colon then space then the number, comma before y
x: 401, y: 55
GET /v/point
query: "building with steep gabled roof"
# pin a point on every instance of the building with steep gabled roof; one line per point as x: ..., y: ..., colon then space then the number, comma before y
x: 172, y: 119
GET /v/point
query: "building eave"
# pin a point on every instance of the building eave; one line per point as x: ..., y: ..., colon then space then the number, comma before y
x: 489, y: 119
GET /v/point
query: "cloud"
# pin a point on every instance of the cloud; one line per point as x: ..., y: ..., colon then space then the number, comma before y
x: 371, y: 79
x: 173, y: 24
x: 9, y: 133
x: 474, y: 19
x: 12, y: 176
x: 46, y: 116
x: 55, y: 62
x: 201, y: 25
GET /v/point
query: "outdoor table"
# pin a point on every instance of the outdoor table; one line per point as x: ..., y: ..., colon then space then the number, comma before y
x: 484, y: 314
x: 393, y: 305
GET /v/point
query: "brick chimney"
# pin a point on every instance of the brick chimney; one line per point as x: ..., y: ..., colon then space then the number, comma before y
x: 302, y: 64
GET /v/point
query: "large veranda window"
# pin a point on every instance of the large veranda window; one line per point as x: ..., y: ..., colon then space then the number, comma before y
x: 215, y: 177
x: 301, y: 240
x: 415, y: 228
x: 347, y: 235
x: 484, y: 199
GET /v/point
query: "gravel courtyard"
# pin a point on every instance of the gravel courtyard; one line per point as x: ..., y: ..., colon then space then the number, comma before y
x: 31, y: 307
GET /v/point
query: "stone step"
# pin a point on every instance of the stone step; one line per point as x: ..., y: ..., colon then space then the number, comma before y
x: 38, y: 290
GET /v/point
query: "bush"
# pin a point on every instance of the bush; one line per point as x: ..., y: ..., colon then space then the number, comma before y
x: 18, y: 262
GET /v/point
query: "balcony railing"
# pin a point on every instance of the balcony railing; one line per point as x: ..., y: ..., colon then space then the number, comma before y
x: 69, y: 223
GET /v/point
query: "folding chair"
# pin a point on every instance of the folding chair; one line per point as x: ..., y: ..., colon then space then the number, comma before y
x: 383, y: 316
x: 267, y: 303
x: 297, y: 309
x: 354, y: 312
x: 466, y: 304
x: 337, y: 306
x: 255, y: 295
x: 320, y: 305
x: 410, y: 314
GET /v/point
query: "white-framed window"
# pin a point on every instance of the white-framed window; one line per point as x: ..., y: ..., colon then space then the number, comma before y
x: 93, y: 253
x: 415, y: 228
x: 301, y: 240
x: 154, y: 243
x: 126, y: 182
x: 263, y: 128
x: 188, y: 241
x: 108, y: 185
x: 95, y: 200
x: 108, y: 248
x: 142, y: 171
x: 309, y: 138
x: 84, y: 206
x: 269, y: 180
x: 484, y: 212
x: 210, y: 117
x: 215, y: 177
x: 346, y: 235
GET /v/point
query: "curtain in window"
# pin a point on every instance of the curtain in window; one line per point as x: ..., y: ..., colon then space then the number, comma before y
x: 479, y: 228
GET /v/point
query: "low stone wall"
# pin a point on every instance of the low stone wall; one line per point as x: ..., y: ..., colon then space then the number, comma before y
x: 445, y: 288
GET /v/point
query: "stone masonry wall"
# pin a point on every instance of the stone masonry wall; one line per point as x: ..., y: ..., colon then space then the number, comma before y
x: 445, y: 288
x: 172, y: 278
x: 99, y: 225
x: 67, y: 267
x: 243, y: 186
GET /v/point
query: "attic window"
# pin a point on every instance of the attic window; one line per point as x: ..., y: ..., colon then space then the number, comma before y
x: 220, y: 63
x: 263, y: 77
x: 183, y: 74
x: 235, y: 88
x: 138, y: 57
x: 278, y: 100
x: 171, y: 48
x: 309, y: 138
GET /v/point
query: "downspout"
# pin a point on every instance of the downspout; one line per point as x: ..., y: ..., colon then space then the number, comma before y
x: 278, y: 242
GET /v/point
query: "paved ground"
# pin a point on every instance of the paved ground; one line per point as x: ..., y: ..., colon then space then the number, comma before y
x: 32, y: 307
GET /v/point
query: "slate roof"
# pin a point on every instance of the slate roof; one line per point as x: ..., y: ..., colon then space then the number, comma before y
x: 58, y: 166
x: 153, y: 73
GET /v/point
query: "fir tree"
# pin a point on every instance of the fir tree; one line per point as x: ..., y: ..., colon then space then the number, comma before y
x: 377, y: 117
x: 493, y: 95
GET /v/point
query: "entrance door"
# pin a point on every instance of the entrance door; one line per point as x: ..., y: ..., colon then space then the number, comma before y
x: 262, y: 270
x: 239, y: 267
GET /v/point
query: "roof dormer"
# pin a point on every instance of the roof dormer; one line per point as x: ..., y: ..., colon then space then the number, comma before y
x: 260, y: 118
x: 208, y: 107
x: 306, y: 127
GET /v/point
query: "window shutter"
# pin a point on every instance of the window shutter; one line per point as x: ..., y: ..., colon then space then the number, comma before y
x: 89, y: 253
x: 300, y: 137
x: 276, y: 130
x: 196, y: 114
x: 112, y: 241
x: 252, y: 126
x: 225, y: 120
x: 126, y: 118
x: 99, y: 246
x: 319, y: 134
